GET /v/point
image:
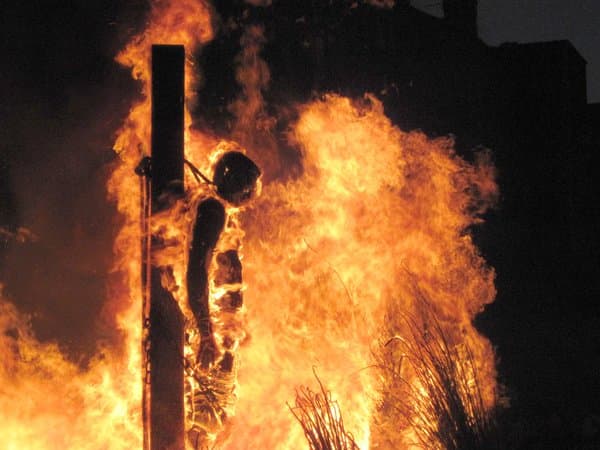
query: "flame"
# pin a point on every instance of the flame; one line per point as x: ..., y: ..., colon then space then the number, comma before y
x: 329, y: 253
x: 375, y: 216
x: 46, y: 401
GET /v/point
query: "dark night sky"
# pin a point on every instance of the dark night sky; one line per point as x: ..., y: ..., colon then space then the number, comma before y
x: 541, y: 20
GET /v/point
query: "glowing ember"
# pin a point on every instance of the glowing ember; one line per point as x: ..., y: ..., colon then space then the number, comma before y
x: 377, y: 221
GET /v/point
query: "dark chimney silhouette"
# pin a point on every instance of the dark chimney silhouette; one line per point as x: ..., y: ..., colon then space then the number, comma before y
x: 462, y: 14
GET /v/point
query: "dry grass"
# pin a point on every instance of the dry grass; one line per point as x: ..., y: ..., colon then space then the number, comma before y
x: 431, y: 391
x: 432, y: 387
x: 321, y: 419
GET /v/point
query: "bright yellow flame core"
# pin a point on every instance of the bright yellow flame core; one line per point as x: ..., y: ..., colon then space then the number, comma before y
x: 375, y: 212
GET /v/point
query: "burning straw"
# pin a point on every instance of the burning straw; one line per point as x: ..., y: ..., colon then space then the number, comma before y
x: 321, y: 419
x: 432, y: 385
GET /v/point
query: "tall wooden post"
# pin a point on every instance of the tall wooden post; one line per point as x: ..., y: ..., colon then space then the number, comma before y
x: 166, y: 328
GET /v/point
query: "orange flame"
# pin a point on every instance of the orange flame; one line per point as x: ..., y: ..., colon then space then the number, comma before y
x: 326, y: 256
x: 46, y: 401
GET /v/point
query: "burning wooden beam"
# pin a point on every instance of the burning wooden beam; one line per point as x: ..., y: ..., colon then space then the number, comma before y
x: 167, y: 122
x: 166, y: 324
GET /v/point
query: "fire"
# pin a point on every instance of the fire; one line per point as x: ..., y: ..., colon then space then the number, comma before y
x: 329, y: 254
x: 376, y: 221
x: 48, y: 402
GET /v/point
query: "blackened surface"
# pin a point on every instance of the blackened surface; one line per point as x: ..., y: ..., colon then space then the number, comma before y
x: 167, y: 120
x: 210, y: 220
x: 231, y: 301
x: 166, y: 333
x: 229, y: 268
x: 235, y: 177
x: 166, y: 368
x: 226, y: 363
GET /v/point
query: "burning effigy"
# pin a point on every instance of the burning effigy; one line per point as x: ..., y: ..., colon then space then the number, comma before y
x: 359, y: 269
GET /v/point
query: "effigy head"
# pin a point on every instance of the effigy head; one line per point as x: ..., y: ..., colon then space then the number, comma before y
x: 236, y: 177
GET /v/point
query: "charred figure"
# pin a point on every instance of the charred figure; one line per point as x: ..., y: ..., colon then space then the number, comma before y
x: 214, y: 285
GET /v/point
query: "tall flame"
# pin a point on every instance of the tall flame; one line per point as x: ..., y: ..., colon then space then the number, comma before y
x: 46, y: 401
x: 329, y: 254
x: 376, y: 215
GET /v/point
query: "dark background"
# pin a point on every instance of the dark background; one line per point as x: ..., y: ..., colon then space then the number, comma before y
x: 63, y: 98
x: 540, y: 20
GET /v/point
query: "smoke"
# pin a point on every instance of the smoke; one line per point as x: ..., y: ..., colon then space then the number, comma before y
x: 254, y: 126
x: 252, y: 74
